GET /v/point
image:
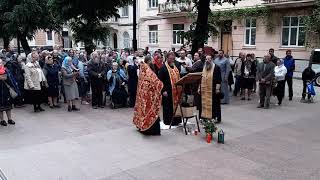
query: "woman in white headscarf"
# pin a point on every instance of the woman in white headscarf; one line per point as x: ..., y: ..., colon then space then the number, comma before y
x: 280, y: 72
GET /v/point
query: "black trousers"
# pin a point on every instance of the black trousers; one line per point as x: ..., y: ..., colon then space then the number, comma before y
x: 97, y: 95
x: 279, y: 91
x: 289, y: 82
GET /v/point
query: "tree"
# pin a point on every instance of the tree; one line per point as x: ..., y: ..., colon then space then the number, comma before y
x: 199, y: 32
x: 23, y: 18
x: 85, y: 17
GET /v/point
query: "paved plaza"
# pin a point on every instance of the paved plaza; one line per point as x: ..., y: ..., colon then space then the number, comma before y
x: 282, y: 143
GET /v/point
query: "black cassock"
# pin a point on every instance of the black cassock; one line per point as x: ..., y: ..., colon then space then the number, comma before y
x: 167, y: 102
x: 216, y: 101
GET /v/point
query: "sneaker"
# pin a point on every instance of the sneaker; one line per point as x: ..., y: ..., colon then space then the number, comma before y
x: 41, y: 109
x: 95, y: 107
x: 85, y: 103
x: 3, y: 123
x: 10, y: 121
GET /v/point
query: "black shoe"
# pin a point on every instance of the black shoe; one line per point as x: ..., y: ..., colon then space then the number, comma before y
x: 3, y: 123
x: 290, y: 98
x: 69, y: 109
x: 249, y: 99
x: 41, y: 109
x: 11, y: 122
x: 243, y: 98
x: 101, y: 106
x: 51, y: 107
x: 74, y: 108
x: 36, y: 110
x: 260, y: 106
x: 56, y: 106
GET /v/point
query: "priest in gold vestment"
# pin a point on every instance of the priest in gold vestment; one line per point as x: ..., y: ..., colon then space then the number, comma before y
x: 210, y: 91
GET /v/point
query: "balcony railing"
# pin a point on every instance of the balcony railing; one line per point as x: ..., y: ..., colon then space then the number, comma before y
x: 284, y: 1
x: 171, y: 7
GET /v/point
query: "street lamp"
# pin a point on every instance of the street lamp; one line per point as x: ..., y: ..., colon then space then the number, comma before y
x: 134, y: 40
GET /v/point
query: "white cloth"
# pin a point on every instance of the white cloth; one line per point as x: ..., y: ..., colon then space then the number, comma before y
x: 280, y: 72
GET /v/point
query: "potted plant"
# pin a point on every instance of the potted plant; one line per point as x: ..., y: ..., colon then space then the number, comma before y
x: 209, y: 128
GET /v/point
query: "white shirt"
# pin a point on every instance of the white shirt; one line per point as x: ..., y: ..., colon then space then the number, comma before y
x: 188, y: 64
x: 280, y: 72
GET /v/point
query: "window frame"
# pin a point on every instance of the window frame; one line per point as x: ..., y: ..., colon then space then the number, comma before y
x: 125, y: 9
x: 153, y: 4
x: 250, y: 28
x: 176, y: 35
x: 153, y: 35
x: 51, y: 35
x: 289, y: 34
x: 126, y: 39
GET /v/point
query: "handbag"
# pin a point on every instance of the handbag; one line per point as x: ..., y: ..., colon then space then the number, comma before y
x: 12, y: 92
x: 311, y: 90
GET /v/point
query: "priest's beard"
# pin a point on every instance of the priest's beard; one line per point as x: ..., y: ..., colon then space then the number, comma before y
x: 208, y: 66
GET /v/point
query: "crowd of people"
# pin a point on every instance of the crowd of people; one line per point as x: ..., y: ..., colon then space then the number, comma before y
x: 139, y: 79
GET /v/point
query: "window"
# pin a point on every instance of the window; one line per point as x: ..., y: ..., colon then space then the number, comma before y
x: 152, y: 3
x: 126, y: 40
x: 177, y: 29
x: 125, y: 11
x: 153, y: 34
x: 49, y: 35
x: 293, y: 31
x: 250, y: 37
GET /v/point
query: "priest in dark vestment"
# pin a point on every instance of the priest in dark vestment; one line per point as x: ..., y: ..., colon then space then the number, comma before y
x: 169, y: 75
x: 210, y: 91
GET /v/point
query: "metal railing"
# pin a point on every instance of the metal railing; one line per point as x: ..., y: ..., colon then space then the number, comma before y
x: 280, y: 1
x: 170, y: 7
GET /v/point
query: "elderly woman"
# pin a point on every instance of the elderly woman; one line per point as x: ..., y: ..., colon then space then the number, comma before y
x: 117, y: 80
x: 280, y: 72
x: 5, y: 98
x: 35, y: 83
x: 69, y: 76
x: 51, y: 71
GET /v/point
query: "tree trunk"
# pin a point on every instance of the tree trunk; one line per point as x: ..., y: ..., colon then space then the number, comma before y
x: 25, y: 44
x: 200, y: 34
x: 89, y: 46
x: 6, y: 43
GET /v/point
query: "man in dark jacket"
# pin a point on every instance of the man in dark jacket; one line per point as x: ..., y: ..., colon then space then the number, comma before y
x: 307, y: 75
x: 265, y: 76
x: 97, y: 79
x: 289, y: 63
x: 273, y: 58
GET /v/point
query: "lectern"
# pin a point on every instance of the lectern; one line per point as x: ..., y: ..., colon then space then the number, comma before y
x: 189, y: 79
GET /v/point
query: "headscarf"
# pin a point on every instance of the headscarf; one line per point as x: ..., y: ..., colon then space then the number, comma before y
x: 2, y: 69
x: 157, y: 62
x: 66, y: 65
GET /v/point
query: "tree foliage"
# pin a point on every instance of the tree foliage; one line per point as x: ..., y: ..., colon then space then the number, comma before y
x: 200, y: 30
x: 313, y: 25
x: 23, y: 18
x: 85, y: 17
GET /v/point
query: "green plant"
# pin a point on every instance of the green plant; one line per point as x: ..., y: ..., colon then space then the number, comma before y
x: 209, y: 126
